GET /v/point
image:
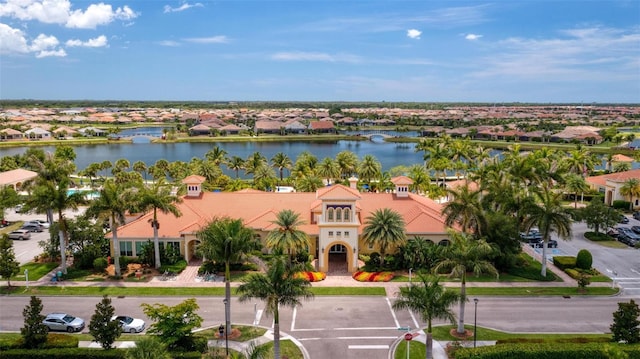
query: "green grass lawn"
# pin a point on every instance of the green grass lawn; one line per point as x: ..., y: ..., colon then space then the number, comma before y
x: 36, y: 271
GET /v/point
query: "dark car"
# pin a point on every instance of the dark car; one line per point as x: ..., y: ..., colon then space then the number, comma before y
x: 539, y: 243
x: 636, y: 215
x: 613, y: 232
x: 32, y: 227
x: 636, y: 229
x: 531, y: 235
x: 623, y: 220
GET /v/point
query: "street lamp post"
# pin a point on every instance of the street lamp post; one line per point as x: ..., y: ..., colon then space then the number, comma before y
x: 475, y: 322
x: 226, y: 326
x: 410, y: 269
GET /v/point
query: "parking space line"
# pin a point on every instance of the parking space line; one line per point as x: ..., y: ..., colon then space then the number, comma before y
x: 368, y: 347
x: 415, y: 322
x: 293, y: 319
x: 393, y: 314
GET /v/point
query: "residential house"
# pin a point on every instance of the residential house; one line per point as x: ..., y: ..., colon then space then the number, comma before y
x: 322, y: 127
x: 610, y: 185
x: 37, y: 133
x: 16, y: 178
x: 10, y: 134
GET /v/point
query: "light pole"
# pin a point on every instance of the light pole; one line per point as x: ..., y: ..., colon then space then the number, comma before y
x: 475, y: 321
x: 410, y: 269
x: 226, y: 326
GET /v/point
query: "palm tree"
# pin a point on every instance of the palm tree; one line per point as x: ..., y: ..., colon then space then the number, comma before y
x: 348, y: 163
x: 279, y: 286
x: 328, y: 169
x: 112, y: 204
x: 141, y: 168
x: 236, y: 163
x: 576, y: 184
x: 282, y: 162
x: 287, y: 237
x: 462, y: 255
x: 465, y: 208
x: 253, y: 162
x: 216, y: 155
x: 631, y: 188
x: 384, y: 227
x: 431, y: 300
x: 308, y: 183
x: 369, y: 168
x: 549, y: 215
x: 226, y: 240
x: 157, y: 196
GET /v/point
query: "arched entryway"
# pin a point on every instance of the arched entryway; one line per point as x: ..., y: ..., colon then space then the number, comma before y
x: 191, y: 250
x: 339, y: 259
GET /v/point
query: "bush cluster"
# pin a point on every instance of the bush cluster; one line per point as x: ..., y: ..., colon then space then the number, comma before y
x: 548, y: 351
x: 564, y: 262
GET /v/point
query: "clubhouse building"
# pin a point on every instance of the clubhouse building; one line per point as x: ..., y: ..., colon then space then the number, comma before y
x: 334, y: 218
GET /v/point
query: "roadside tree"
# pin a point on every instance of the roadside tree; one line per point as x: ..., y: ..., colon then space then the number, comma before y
x: 34, y: 333
x: 104, y: 330
x: 9, y: 266
x: 626, y: 326
x: 598, y: 216
x: 174, y: 325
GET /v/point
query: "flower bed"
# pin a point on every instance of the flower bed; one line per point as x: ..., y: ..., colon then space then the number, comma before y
x: 361, y: 276
x: 312, y: 276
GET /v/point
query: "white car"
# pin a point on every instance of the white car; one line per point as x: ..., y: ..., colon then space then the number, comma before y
x: 128, y: 324
x: 41, y: 222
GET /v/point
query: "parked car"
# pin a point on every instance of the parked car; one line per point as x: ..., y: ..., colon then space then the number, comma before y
x: 20, y: 234
x: 626, y: 239
x: 636, y: 229
x: 20, y: 208
x: 129, y: 325
x: 43, y: 223
x: 32, y: 227
x: 613, y: 232
x: 623, y: 219
x: 531, y: 235
x: 538, y: 243
x: 4, y: 222
x: 63, y: 322
x: 636, y: 215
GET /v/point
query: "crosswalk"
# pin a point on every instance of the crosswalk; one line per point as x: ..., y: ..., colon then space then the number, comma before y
x: 630, y: 286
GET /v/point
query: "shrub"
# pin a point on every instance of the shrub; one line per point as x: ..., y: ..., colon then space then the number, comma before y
x: 584, y: 260
x: 620, y: 204
x: 100, y: 264
x: 175, y: 268
x: 312, y: 276
x: 573, y: 273
x: 564, y: 262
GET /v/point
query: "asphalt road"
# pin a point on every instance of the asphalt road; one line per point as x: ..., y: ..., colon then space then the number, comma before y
x: 352, y: 327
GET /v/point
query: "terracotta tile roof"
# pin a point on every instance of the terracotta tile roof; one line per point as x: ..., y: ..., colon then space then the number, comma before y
x: 258, y: 209
x: 622, y: 158
x: 15, y: 176
x: 614, y: 177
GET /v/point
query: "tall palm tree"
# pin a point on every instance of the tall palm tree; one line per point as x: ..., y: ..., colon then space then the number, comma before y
x: 462, y: 255
x: 631, y: 188
x: 384, y: 228
x: 348, y: 163
x: 235, y: 163
x: 576, y: 184
x: 308, y: 183
x: 141, y: 168
x: 226, y: 240
x: 328, y: 169
x: 157, y: 196
x: 287, y: 237
x: 549, y: 215
x: 465, y: 208
x: 369, y: 168
x: 282, y: 162
x: 429, y: 299
x: 279, y: 286
x: 216, y: 155
x: 253, y: 162
x: 112, y: 204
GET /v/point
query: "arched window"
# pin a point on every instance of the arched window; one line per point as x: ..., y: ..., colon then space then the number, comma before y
x: 347, y: 214
x: 330, y: 214
x: 339, y: 215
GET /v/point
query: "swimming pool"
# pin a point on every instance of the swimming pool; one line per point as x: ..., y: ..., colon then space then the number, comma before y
x: 88, y: 194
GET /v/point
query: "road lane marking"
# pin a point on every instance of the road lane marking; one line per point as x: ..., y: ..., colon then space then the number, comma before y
x: 415, y: 322
x: 256, y: 320
x: 293, y: 320
x: 368, y: 347
x: 393, y: 314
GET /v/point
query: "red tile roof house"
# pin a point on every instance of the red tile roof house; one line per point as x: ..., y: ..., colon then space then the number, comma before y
x: 334, y: 218
x: 16, y: 178
x: 10, y: 134
x: 322, y: 127
x: 610, y: 185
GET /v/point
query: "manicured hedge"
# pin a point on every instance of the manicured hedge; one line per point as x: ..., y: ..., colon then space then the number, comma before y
x: 564, y: 262
x: 548, y: 351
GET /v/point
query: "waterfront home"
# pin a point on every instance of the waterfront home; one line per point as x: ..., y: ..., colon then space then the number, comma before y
x: 610, y: 185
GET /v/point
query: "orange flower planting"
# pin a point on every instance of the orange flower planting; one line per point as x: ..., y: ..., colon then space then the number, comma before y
x: 361, y: 276
x: 312, y: 276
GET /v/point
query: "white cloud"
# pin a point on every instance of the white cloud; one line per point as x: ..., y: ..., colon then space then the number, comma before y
x: 182, y: 7
x: 414, y: 34
x: 60, y: 12
x: 46, y: 46
x: 100, y: 41
x: 220, y: 39
x: 12, y: 40
x: 314, y: 56
x: 472, y: 37
x: 169, y: 43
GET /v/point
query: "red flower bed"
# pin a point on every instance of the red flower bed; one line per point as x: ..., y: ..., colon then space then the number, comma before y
x: 312, y: 276
x: 361, y: 276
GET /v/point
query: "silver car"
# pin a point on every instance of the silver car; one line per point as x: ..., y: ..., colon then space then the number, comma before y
x: 63, y: 322
x: 128, y: 324
x: 20, y: 234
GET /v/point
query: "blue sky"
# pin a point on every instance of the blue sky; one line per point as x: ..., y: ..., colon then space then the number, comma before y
x: 328, y: 50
